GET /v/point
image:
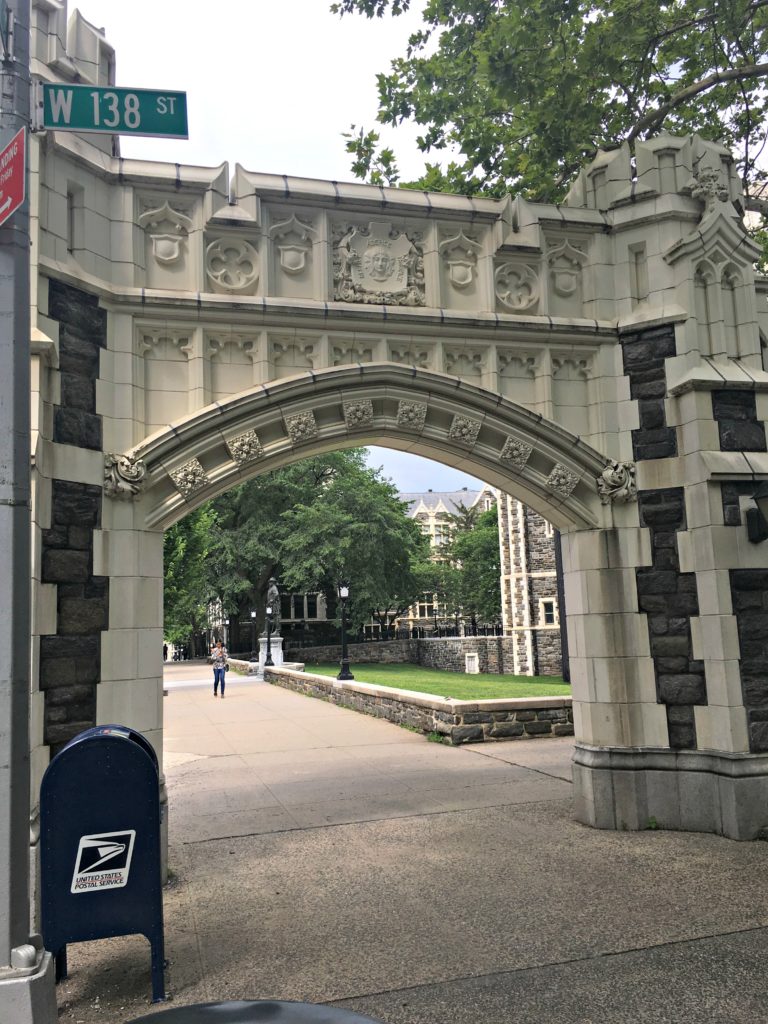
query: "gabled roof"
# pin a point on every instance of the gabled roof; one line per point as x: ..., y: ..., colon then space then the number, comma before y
x: 442, y: 501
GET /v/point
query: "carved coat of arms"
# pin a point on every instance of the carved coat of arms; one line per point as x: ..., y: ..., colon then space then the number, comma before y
x: 378, y: 264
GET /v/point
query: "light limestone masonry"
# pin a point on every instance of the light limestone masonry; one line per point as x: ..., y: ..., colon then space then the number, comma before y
x: 594, y: 354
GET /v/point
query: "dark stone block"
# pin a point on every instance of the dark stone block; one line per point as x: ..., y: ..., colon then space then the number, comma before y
x: 82, y: 615
x: 538, y: 728
x: 648, y: 384
x: 734, y: 405
x: 77, y: 354
x: 672, y: 665
x: 665, y: 508
x: 97, y: 587
x: 80, y: 429
x: 749, y: 579
x: 525, y: 716
x: 666, y: 558
x: 78, y: 392
x: 738, y: 436
x: 61, y: 733
x: 57, y: 537
x: 466, y: 733
x: 670, y: 646
x: 506, y: 729
x: 637, y: 354
x: 664, y: 539
x: 754, y: 686
x: 75, y: 694
x: 744, y: 600
x: 658, y: 625
x: 682, y: 689
x: 652, y: 414
x: 652, y: 581
x: 753, y: 624
x: 76, y: 308
x: 682, y: 728
x: 679, y: 626
x: 76, y: 504
x: 563, y: 729
x: 758, y: 737
x: 79, y: 538
x: 670, y: 604
x: 659, y: 450
x: 53, y: 647
x: 59, y: 673
x: 58, y: 565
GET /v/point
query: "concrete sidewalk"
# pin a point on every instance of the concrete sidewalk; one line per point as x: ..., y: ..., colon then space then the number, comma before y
x: 326, y: 856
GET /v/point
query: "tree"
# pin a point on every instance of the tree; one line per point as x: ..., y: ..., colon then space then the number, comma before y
x: 187, y: 591
x: 474, y: 555
x: 361, y: 534
x: 528, y: 90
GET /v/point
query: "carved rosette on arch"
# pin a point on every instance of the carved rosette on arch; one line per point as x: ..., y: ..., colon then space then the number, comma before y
x: 245, y: 447
x: 189, y: 478
x: 460, y: 257
x: 232, y: 265
x: 124, y: 476
x: 516, y: 453
x: 517, y: 286
x: 168, y: 229
x: 562, y: 481
x: 301, y: 427
x: 293, y: 241
x: 617, y: 483
x: 378, y: 264
x: 411, y: 415
x: 358, y: 414
x: 464, y: 430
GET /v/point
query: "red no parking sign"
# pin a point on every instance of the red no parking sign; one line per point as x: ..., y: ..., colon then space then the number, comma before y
x: 13, y: 176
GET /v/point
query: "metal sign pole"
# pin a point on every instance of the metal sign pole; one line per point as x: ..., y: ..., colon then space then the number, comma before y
x: 26, y: 978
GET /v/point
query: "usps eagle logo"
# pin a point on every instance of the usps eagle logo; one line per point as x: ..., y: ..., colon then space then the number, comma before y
x: 103, y: 861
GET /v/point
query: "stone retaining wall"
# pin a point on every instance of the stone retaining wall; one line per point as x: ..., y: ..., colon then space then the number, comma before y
x: 459, y: 721
x: 448, y: 653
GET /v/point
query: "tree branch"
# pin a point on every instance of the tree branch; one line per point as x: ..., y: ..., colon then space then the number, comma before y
x: 655, y: 118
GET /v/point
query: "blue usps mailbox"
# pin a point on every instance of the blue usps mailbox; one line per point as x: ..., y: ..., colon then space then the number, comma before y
x: 100, y: 845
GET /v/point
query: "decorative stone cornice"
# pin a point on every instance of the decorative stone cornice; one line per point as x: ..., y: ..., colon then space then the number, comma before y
x: 301, y: 427
x: 124, y: 476
x: 245, y: 447
x: 617, y: 483
x: 189, y: 478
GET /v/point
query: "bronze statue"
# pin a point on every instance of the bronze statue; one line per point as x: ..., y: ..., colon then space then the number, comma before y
x: 273, y: 601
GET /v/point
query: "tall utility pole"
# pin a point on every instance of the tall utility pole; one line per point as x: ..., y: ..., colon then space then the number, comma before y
x: 27, y: 994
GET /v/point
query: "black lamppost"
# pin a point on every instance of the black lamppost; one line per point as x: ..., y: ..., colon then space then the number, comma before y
x: 226, y: 633
x: 253, y: 637
x: 268, y: 663
x: 343, y: 595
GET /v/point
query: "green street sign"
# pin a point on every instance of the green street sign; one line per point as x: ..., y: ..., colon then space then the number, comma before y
x: 88, y: 108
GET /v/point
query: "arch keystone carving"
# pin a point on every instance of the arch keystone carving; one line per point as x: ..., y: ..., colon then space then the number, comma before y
x: 189, y: 478
x: 245, y: 447
x: 124, y: 476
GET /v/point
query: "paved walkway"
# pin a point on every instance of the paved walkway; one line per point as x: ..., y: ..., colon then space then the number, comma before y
x: 326, y: 856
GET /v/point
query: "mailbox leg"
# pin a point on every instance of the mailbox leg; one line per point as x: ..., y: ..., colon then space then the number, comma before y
x: 61, y: 964
x: 158, y: 969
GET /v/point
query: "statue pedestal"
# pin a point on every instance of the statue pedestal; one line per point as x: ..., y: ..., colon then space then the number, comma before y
x: 276, y: 645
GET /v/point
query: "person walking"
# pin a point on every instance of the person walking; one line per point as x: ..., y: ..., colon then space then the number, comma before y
x: 219, y: 662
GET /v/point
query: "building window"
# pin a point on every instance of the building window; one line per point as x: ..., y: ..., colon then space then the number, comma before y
x: 548, y: 613
x: 426, y: 606
x: 442, y: 534
x: 311, y: 606
x: 549, y: 530
x: 298, y: 606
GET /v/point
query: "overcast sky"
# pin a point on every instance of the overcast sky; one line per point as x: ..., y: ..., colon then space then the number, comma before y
x: 272, y: 85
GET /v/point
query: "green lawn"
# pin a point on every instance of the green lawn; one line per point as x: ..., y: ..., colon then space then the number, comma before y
x: 484, y: 686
